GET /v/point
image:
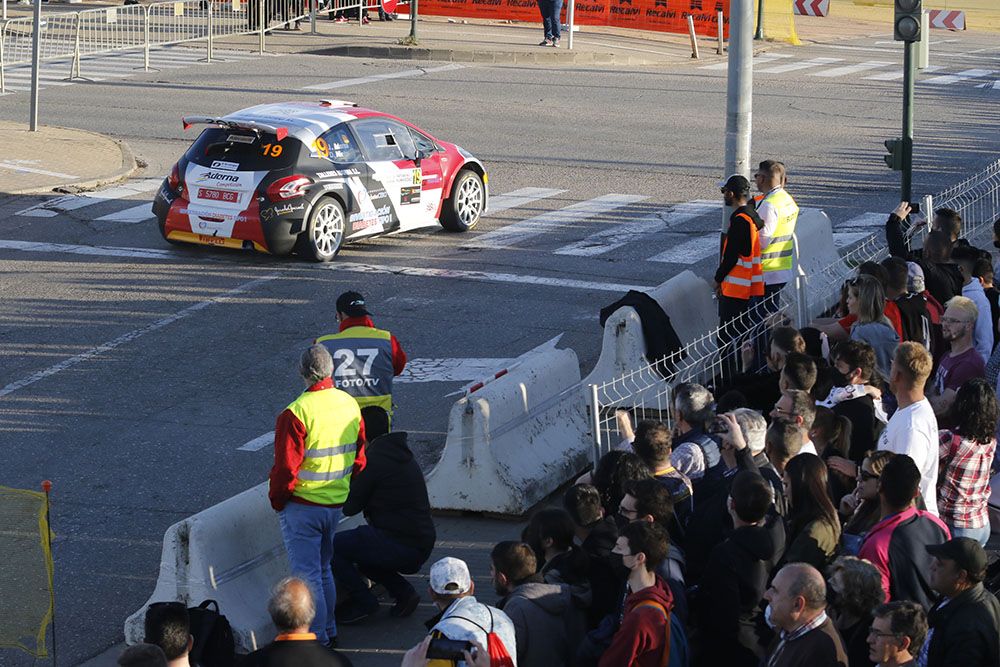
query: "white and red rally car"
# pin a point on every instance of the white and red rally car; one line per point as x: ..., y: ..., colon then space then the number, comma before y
x: 312, y: 176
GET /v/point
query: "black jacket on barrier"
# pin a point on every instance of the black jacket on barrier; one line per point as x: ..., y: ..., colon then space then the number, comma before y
x: 392, y: 493
x: 657, y: 331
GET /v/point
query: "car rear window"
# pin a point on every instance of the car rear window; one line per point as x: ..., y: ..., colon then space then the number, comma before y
x: 251, y: 152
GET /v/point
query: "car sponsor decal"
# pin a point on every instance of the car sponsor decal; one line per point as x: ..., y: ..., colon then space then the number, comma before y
x: 372, y: 217
x: 267, y: 214
x: 338, y: 172
x: 228, y: 166
x: 409, y: 195
x: 417, y: 180
x: 241, y: 139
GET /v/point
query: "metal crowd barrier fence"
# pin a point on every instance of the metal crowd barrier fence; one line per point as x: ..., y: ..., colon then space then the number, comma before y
x: 71, y: 35
x: 648, y: 391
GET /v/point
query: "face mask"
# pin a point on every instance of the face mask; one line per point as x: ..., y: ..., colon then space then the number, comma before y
x: 617, y: 562
x: 767, y: 618
x: 620, y: 522
x: 996, y: 244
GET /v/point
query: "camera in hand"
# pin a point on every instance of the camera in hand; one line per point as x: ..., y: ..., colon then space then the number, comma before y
x: 443, y: 648
x: 718, y: 426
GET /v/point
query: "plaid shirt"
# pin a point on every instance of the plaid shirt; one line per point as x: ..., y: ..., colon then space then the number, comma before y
x: 964, y: 485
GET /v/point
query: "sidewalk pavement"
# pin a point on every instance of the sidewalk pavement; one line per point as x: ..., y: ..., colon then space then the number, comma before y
x: 56, y: 157
x: 382, y: 640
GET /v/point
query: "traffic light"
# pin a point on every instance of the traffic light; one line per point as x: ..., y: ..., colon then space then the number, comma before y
x: 906, y: 21
x: 895, y: 157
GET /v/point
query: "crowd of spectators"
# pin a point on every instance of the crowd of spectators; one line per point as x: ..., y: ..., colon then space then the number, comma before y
x: 826, y: 504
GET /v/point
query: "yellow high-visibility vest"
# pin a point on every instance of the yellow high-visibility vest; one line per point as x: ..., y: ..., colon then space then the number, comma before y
x: 776, y: 258
x: 362, y: 364
x: 332, y: 420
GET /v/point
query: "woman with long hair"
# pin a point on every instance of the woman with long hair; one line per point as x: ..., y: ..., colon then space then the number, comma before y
x: 966, y: 454
x: 866, y: 299
x: 860, y: 509
x: 614, y: 473
x: 831, y: 434
x: 813, y: 526
x: 854, y: 589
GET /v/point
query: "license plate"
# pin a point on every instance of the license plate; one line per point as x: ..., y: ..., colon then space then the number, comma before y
x: 211, y: 194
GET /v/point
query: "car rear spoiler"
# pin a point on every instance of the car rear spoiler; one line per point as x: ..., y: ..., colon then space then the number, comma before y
x: 229, y: 124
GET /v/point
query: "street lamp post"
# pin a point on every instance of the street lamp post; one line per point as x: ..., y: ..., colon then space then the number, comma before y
x: 739, y: 91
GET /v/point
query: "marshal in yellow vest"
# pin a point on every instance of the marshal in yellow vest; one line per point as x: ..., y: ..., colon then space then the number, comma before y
x: 332, y: 420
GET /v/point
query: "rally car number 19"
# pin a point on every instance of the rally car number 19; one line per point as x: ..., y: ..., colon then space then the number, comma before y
x: 312, y: 176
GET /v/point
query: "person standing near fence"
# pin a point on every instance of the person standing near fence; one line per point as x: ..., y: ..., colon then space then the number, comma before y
x: 550, y: 11
x: 739, y: 275
x: 779, y: 213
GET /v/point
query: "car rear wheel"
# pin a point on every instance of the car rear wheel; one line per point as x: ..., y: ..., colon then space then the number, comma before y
x: 461, y: 211
x: 324, y: 233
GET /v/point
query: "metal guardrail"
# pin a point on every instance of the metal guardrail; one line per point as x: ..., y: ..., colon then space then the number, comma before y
x: 648, y: 391
x: 72, y: 35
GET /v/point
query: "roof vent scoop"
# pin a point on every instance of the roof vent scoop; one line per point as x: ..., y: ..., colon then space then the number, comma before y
x: 337, y: 103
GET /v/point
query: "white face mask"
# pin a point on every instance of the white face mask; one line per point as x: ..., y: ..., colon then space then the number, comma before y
x: 767, y: 618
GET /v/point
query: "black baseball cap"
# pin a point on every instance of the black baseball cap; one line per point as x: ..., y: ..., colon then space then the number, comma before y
x: 351, y: 304
x: 736, y: 184
x: 965, y: 551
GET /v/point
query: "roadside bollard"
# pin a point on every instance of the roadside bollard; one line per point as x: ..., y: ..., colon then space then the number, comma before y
x: 694, y: 40
x: 721, y: 25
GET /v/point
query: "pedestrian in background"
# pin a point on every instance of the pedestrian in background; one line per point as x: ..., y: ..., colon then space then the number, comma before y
x: 779, y: 213
x: 550, y: 11
x: 318, y: 444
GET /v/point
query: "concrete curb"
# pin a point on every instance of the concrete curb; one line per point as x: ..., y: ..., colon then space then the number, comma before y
x: 127, y: 168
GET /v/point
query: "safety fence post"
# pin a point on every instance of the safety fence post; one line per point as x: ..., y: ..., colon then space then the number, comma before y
x: 211, y: 29
x: 3, y: 80
x: 694, y: 40
x: 721, y: 20
x: 262, y: 22
x: 924, y: 53
x: 145, y: 46
x: 74, y: 71
x: 595, y: 421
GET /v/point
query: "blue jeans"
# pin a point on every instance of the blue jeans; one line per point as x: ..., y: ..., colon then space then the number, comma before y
x: 981, y: 535
x: 550, y: 11
x: 377, y: 557
x: 308, y: 534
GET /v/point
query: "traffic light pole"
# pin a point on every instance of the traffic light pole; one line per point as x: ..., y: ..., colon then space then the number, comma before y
x: 909, y: 77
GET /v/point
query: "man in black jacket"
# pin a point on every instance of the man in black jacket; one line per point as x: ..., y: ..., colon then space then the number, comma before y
x: 735, y: 578
x: 965, y: 623
x: 941, y: 276
x: 400, y: 533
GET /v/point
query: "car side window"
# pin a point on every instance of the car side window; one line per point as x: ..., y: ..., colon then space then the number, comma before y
x: 338, y: 145
x: 423, y: 144
x: 384, y: 139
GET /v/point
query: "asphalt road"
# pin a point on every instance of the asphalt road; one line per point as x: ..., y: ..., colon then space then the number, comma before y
x: 131, y: 379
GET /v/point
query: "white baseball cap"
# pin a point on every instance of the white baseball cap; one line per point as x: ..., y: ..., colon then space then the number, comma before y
x: 450, y: 576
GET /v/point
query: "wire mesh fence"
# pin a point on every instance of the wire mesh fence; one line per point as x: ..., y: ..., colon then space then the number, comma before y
x: 714, y: 358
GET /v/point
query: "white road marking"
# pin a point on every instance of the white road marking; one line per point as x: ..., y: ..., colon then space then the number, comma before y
x: 948, y: 79
x: 691, y: 251
x: 484, y: 276
x: 994, y: 85
x: 897, y: 75
x: 375, y: 269
x: 758, y: 60
x: 615, y: 235
x: 793, y: 67
x: 450, y: 370
x: 20, y: 168
x: 841, y: 239
x: 565, y: 217
x: 382, y: 77
x: 131, y: 215
x: 258, y: 443
x: 53, y: 207
x: 132, y: 335
x: 847, y: 70
x: 95, y: 251
x: 520, y: 197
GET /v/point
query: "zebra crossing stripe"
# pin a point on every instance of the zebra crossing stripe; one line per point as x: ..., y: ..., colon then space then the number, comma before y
x: 851, y: 69
x: 53, y: 207
x: 793, y: 67
x: 948, y: 79
x: 758, y: 60
x: 691, y: 251
x: 617, y: 235
x: 564, y: 217
x: 897, y: 75
x: 131, y: 215
x: 521, y: 197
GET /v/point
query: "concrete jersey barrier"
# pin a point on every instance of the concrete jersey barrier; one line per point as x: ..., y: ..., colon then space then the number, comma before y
x: 513, y: 441
x: 232, y: 553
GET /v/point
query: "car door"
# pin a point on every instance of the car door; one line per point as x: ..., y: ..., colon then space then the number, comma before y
x: 368, y: 208
x: 431, y: 174
x: 390, y: 152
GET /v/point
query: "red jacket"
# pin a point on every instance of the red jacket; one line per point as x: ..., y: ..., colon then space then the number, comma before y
x: 644, y: 634
x: 289, y: 452
x: 398, y: 355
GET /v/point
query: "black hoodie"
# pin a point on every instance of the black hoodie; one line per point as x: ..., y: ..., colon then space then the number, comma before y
x: 733, y: 584
x: 392, y: 493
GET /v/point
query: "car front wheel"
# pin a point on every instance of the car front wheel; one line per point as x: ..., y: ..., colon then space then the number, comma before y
x: 462, y: 209
x: 324, y: 233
